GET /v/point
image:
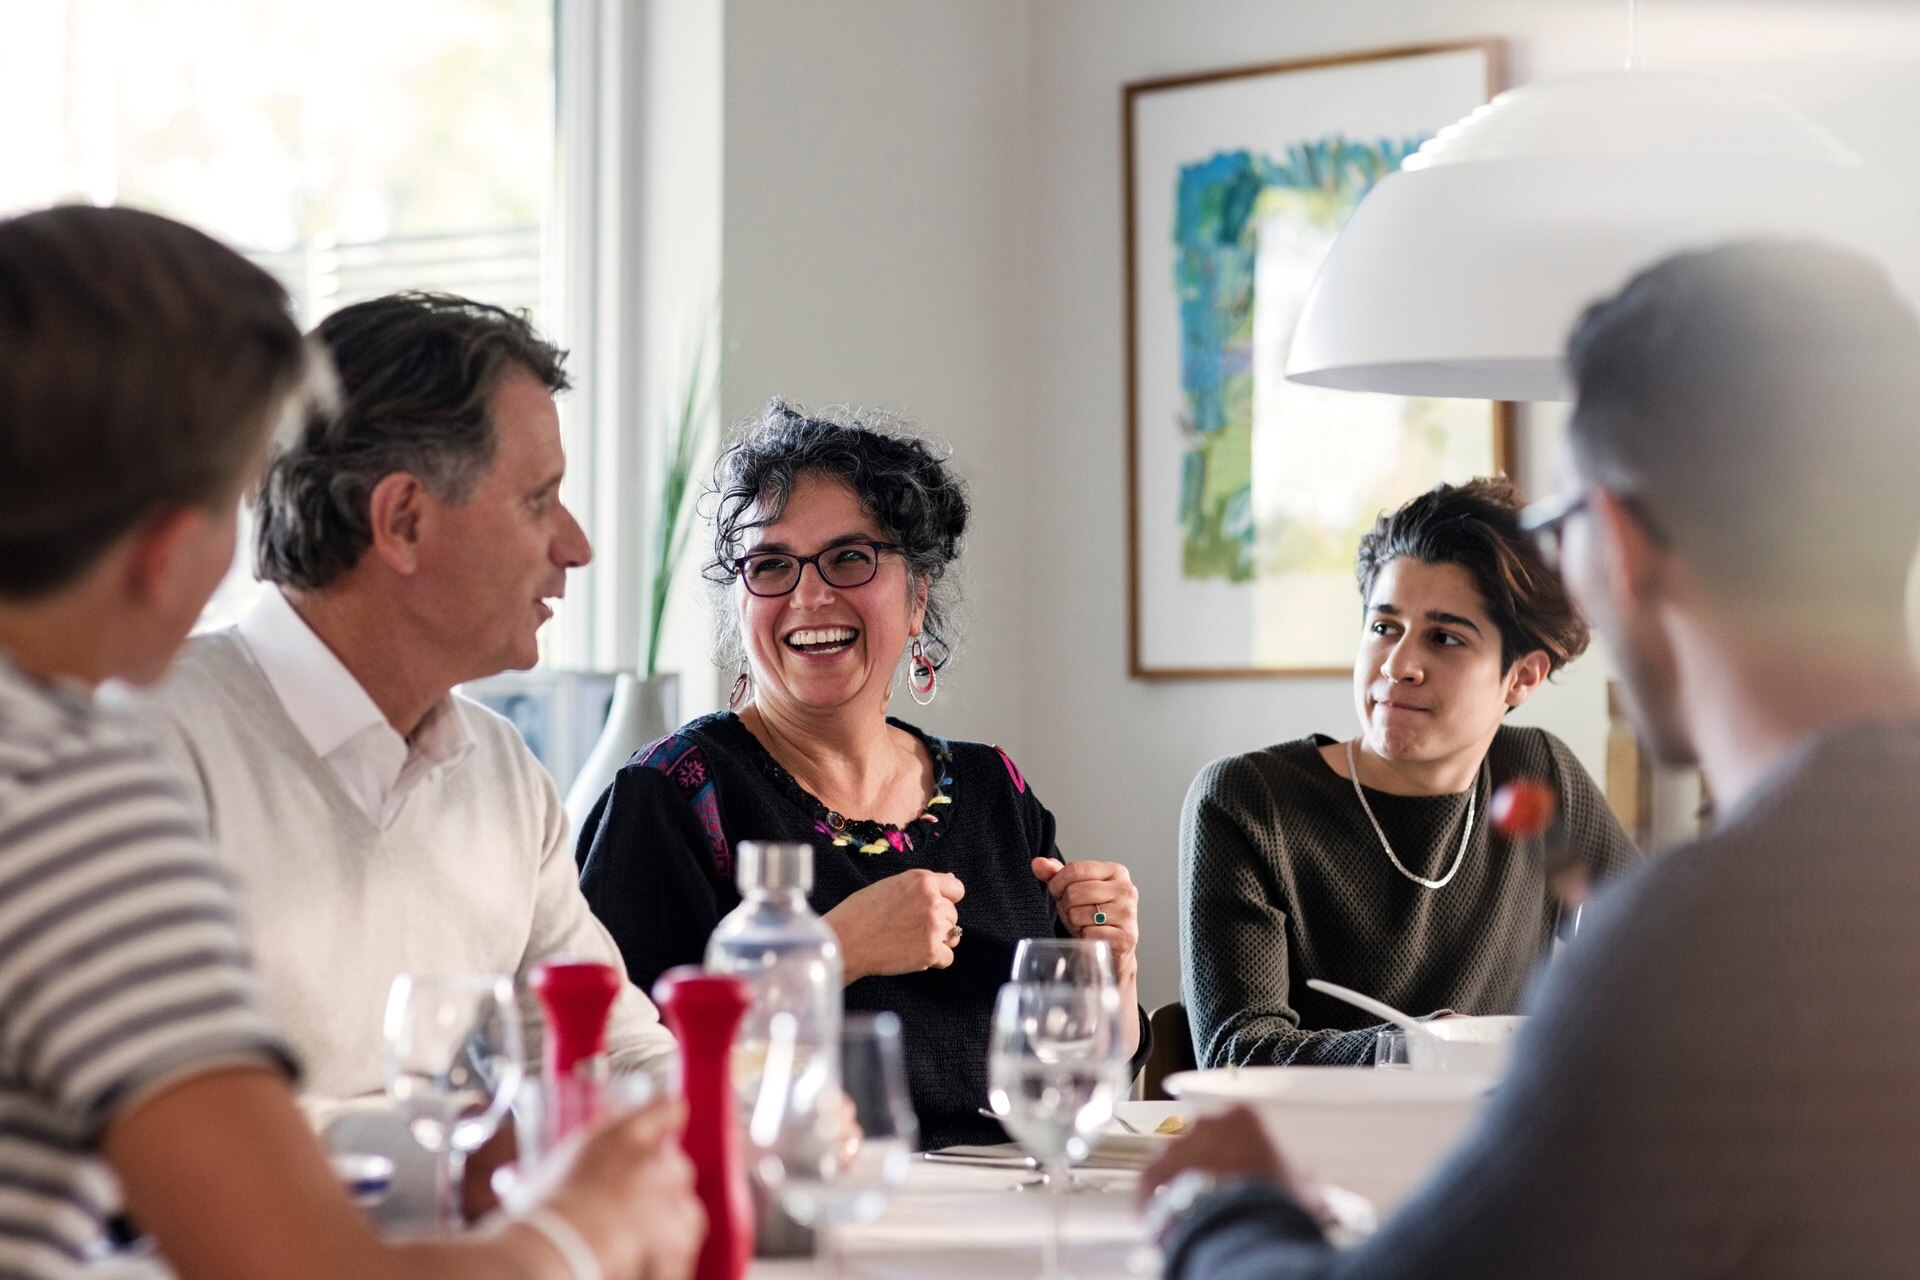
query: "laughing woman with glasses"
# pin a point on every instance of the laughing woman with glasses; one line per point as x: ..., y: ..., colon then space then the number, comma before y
x: 1372, y: 861
x: 833, y: 541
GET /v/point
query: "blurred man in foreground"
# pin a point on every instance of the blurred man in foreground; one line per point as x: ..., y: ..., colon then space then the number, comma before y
x: 142, y: 369
x: 1723, y: 1074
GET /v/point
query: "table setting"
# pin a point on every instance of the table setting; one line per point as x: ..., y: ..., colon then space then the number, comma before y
x: 825, y: 1131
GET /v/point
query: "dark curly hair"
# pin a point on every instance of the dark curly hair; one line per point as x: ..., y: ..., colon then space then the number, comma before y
x: 903, y: 482
x: 1476, y: 526
x: 416, y: 374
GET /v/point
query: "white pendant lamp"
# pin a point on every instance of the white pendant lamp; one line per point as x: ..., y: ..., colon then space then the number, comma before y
x: 1463, y: 273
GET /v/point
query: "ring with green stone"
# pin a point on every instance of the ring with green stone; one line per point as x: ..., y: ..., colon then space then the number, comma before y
x: 1099, y: 917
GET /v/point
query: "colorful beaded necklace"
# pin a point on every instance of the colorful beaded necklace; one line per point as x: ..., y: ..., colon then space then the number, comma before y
x: 864, y: 834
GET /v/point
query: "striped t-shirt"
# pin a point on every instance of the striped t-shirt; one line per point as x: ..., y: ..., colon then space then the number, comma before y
x: 123, y: 966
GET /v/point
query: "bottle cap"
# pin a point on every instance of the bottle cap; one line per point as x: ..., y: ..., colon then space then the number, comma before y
x: 774, y: 865
x: 576, y: 996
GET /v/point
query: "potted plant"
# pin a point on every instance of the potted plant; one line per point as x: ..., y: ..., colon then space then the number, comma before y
x: 646, y: 701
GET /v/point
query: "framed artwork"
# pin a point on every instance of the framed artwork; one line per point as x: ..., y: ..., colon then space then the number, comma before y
x: 558, y: 713
x: 1248, y: 494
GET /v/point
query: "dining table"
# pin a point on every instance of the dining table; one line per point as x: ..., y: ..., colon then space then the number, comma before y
x: 951, y: 1220
x: 955, y: 1222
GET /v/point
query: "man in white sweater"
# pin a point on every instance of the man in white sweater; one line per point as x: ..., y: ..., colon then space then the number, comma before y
x: 378, y: 823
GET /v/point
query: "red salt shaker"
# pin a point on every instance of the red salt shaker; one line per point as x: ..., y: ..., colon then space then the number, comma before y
x: 703, y: 1011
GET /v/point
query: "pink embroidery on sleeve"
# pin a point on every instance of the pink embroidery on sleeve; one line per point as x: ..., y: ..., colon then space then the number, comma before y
x: 1013, y: 771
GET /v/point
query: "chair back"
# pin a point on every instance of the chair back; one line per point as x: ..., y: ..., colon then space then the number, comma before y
x: 1172, y: 1050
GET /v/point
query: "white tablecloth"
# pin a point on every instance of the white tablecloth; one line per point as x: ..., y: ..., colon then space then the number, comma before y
x: 956, y: 1223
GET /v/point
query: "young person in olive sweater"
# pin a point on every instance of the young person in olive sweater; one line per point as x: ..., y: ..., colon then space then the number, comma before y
x: 1373, y: 862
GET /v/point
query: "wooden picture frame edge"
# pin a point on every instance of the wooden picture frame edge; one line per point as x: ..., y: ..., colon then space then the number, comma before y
x: 1495, y: 49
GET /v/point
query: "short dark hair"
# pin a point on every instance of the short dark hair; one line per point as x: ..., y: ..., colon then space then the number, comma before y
x: 1758, y: 404
x: 416, y: 371
x: 898, y: 477
x: 142, y: 365
x: 1476, y: 526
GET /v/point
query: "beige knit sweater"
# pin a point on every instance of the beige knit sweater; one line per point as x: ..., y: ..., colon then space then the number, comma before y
x: 474, y: 875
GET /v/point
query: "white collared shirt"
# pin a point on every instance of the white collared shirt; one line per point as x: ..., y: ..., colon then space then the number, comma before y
x: 342, y: 724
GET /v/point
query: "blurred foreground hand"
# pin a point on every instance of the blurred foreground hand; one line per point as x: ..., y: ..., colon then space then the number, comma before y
x: 627, y: 1188
x: 1233, y: 1145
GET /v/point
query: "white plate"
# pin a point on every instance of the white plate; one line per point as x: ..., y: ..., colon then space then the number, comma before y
x: 1312, y: 1087
x: 1379, y: 1133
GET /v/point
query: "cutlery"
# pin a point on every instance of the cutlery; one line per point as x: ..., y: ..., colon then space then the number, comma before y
x: 1378, y: 1009
x: 1117, y: 1119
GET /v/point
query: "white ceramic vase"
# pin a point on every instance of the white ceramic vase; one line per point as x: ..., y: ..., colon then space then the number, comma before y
x: 644, y: 710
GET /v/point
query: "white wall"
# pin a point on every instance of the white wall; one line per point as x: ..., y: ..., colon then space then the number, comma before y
x: 874, y: 254
x: 923, y: 211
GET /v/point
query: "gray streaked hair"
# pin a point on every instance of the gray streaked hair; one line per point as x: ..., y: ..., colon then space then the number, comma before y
x: 416, y: 372
x: 901, y: 479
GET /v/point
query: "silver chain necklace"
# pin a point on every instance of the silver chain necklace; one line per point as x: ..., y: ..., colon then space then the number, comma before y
x: 1473, y: 797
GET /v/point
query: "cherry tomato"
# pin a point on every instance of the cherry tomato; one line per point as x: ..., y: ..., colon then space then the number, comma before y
x: 1523, y: 807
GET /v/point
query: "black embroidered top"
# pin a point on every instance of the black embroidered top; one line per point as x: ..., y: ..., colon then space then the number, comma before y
x: 656, y: 858
x: 864, y: 834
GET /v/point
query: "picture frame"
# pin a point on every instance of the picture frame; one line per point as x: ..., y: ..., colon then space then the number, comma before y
x: 1247, y: 494
x: 559, y: 713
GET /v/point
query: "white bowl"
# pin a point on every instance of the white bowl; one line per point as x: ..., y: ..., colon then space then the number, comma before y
x: 1380, y: 1133
x: 1465, y: 1046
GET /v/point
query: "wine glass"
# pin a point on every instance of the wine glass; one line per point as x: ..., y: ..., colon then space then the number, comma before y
x: 1056, y: 1067
x: 1073, y: 961
x: 454, y: 1057
x: 1076, y: 962
x: 833, y: 1153
x: 1390, y: 1050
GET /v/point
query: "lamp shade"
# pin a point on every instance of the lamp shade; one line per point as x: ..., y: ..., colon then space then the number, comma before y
x: 1463, y: 273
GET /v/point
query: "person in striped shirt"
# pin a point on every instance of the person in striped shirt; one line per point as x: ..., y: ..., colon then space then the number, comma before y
x: 142, y: 369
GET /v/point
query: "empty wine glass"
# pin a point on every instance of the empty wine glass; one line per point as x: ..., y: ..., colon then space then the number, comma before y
x: 833, y: 1154
x: 1073, y: 961
x: 1390, y: 1050
x: 1056, y: 1068
x: 454, y: 1056
x: 1076, y: 962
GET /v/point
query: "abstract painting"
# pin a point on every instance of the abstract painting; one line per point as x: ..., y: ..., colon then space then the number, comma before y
x: 1248, y: 493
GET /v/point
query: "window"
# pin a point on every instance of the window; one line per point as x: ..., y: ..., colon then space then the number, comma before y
x: 351, y: 148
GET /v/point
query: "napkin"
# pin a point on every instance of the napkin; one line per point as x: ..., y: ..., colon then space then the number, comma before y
x: 1116, y: 1149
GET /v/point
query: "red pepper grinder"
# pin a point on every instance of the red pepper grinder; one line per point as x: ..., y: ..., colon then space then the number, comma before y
x: 703, y: 1011
x: 576, y: 996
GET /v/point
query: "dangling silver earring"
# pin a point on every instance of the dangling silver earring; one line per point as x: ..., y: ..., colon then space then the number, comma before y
x: 923, y: 682
x: 741, y: 688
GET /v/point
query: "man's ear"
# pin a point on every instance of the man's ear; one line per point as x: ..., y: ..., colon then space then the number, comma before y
x: 1528, y: 673
x: 396, y: 512
x: 1627, y: 554
x: 155, y: 569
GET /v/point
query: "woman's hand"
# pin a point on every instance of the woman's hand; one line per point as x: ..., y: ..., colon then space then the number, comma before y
x: 903, y: 924
x: 1098, y: 901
